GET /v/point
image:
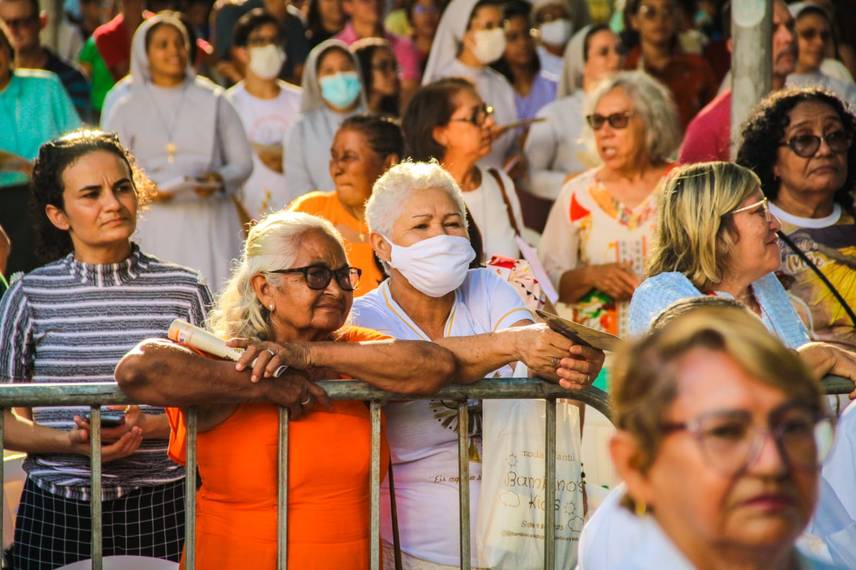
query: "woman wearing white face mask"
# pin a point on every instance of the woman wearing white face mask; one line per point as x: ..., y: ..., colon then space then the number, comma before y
x: 332, y: 92
x: 553, y: 22
x: 471, y: 37
x: 267, y: 107
x: 418, y: 228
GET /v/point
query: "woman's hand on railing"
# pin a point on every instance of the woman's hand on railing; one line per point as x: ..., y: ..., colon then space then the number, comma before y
x: 824, y: 358
x: 266, y: 358
x: 127, y: 444
x: 555, y: 357
x: 580, y: 368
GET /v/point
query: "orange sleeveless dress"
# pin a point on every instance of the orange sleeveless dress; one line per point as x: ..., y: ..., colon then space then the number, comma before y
x: 329, y: 461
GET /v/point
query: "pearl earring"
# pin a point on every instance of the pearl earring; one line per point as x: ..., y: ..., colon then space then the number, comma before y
x: 271, y: 307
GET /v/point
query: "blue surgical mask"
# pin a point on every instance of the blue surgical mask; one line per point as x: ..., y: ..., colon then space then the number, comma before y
x: 341, y: 89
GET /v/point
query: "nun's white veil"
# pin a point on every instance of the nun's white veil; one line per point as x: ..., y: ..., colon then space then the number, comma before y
x: 311, y: 98
x: 448, y: 39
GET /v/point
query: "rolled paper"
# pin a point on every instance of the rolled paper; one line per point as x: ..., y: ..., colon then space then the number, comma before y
x: 185, y: 333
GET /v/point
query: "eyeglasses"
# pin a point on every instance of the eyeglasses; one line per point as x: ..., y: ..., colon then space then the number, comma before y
x: 18, y: 23
x: 615, y: 120
x: 478, y: 116
x: 761, y: 206
x: 651, y: 13
x: 809, y: 34
x: 730, y: 442
x: 318, y: 276
x: 806, y: 146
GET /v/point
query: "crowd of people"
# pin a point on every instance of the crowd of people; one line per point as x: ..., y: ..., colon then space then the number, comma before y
x: 351, y: 189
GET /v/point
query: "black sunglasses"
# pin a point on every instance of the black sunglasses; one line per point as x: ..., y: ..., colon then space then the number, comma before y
x: 318, y: 276
x: 615, y: 120
x: 806, y: 146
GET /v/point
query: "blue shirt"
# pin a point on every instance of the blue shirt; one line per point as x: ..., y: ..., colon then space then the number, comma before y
x: 34, y: 108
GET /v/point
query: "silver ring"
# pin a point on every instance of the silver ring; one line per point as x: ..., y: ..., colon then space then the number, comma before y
x: 307, y: 400
x: 271, y: 351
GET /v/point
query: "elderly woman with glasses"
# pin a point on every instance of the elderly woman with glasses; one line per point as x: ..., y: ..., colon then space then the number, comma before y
x: 600, y: 230
x: 800, y: 144
x: 723, y: 478
x: 287, y: 303
x: 716, y: 236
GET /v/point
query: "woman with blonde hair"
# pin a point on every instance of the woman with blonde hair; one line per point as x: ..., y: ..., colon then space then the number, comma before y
x: 715, y: 236
x: 287, y: 304
x: 707, y: 489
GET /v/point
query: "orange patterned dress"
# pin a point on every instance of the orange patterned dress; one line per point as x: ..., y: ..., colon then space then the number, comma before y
x: 329, y: 460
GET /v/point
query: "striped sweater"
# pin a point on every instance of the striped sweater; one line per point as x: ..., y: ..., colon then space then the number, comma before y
x: 71, y: 322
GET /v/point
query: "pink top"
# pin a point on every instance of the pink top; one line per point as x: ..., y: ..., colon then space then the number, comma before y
x: 708, y: 135
x: 405, y: 52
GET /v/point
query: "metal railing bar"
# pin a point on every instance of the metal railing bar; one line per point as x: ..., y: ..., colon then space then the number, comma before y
x: 95, y: 489
x: 464, y: 481
x: 374, y: 488
x: 28, y: 395
x: 282, y: 492
x: 109, y: 393
x: 190, y: 491
x: 550, y: 485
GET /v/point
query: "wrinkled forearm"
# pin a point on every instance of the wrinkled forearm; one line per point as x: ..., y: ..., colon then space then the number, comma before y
x: 162, y: 373
x: 481, y: 354
x: 402, y: 366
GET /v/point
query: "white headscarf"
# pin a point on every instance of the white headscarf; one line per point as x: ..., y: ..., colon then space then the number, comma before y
x: 573, y: 64
x: 140, y: 70
x: 448, y: 39
x: 311, y: 98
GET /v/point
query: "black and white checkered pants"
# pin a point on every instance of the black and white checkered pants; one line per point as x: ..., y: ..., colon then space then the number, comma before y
x: 52, y: 531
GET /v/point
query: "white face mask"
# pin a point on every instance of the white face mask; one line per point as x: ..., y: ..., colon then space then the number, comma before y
x: 266, y: 61
x: 434, y: 266
x: 557, y: 32
x: 489, y: 45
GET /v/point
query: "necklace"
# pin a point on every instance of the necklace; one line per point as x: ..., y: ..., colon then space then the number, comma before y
x: 169, y: 127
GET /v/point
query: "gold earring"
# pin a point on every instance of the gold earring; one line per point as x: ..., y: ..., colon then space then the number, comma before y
x: 641, y: 508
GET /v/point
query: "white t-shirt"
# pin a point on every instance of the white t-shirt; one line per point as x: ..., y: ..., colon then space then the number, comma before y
x: 266, y: 122
x: 491, y: 216
x: 422, y: 435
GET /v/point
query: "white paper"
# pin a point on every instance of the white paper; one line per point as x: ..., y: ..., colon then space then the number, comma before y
x: 531, y: 256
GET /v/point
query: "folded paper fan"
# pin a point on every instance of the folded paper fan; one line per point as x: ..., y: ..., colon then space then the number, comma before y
x: 581, y: 334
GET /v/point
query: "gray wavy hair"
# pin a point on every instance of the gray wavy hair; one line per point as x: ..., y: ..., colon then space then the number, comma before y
x: 652, y: 101
x: 273, y: 243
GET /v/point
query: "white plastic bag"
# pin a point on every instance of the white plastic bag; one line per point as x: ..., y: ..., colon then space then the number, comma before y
x: 510, y: 520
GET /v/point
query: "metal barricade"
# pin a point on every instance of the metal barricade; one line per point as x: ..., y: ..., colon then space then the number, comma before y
x: 98, y: 394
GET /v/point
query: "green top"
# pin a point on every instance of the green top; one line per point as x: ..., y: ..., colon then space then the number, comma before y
x: 102, y: 79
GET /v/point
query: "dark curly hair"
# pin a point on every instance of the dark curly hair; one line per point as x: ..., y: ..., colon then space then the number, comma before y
x: 47, y: 184
x: 765, y: 130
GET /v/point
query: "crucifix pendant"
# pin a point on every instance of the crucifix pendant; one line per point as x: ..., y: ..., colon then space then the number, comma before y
x: 170, y: 152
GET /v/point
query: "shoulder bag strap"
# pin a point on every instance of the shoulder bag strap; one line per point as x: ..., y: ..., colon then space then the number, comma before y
x: 801, y: 254
x: 508, y: 209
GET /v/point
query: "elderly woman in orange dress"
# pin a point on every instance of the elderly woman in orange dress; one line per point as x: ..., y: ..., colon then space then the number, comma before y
x: 287, y: 302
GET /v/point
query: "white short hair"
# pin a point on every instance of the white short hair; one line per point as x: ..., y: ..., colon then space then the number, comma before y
x: 392, y: 191
x: 652, y: 101
x: 273, y: 243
